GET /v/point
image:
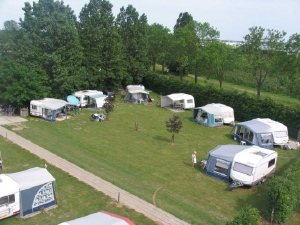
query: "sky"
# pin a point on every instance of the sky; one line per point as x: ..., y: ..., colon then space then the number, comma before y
x: 232, y: 18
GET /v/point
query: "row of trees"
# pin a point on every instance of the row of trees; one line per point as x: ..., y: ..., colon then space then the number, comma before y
x: 51, y: 53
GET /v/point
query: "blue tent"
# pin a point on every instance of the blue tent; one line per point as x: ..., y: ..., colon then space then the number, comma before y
x: 37, y: 190
x: 219, y: 161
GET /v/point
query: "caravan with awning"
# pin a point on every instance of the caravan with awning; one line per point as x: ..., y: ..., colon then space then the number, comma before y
x: 26, y: 192
x: 90, y: 97
x: 247, y: 164
x: 261, y: 132
x: 47, y: 108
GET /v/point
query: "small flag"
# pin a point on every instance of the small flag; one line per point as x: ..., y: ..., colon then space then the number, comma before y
x: 0, y: 161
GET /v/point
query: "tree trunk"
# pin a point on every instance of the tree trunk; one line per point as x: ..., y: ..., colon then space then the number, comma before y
x: 221, y: 82
x: 196, y: 77
x: 258, y: 89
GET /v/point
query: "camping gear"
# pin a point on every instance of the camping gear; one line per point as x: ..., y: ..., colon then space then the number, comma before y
x: 248, y: 164
x: 96, y: 117
x: 213, y: 115
x: 100, y: 218
x: 178, y: 101
x: 261, y: 132
x: 26, y: 192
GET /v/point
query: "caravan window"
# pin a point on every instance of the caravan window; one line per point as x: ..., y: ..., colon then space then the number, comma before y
x: 266, y: 139
x: 271, y: 163
x: 242, y: 168
x: 222, y: 167
x: 280, y: 134
x: 34, y: 107
x: 7, y: 199
x: 190, y: 101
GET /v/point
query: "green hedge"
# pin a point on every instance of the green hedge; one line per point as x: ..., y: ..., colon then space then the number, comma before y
x: 284, y: 193
x: 245, y: 107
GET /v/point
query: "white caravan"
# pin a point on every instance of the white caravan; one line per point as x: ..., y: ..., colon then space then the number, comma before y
x: 44, y: 107
x: 253, y: 165
x: 9, y: 197
x: 90, y: 97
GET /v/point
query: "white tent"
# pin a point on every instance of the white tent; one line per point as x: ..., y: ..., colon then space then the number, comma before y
x: 180, y: 100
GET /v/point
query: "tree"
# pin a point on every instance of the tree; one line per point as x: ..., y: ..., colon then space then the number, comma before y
x: 109, y: 106
x: 173, y: 125
x: 183, y: 49
x: 219, y: 60
x: 103, y: 57
x: 133, y: 31
x: 52, y: 28
x: 22, y: 78
x: 260, y: 51
x: 205, y: 35
x: 158, y: 42
x: 183, y: 20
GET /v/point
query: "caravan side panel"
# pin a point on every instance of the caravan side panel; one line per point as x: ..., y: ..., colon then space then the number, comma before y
x: 36, y: 108
x: 9, y: 197
x: 265, y: 168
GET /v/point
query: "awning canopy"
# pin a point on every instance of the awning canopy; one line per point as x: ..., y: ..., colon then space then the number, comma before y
x: 53, y: 104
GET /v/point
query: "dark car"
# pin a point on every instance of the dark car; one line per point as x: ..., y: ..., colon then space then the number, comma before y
x: 110, y: 94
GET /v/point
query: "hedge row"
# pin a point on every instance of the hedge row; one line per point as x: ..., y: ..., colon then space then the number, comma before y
x: 284, y: 193
x: 246, y: 107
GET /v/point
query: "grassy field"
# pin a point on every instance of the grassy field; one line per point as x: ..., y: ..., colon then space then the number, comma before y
x: 144, y: 162
x: 75, y: 199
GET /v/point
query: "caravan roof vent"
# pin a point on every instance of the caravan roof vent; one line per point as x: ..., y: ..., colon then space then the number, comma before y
x: 261, y: 153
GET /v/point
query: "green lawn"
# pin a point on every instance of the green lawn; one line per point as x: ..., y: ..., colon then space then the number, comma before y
x: 75, y: 199
x: 144, y: 162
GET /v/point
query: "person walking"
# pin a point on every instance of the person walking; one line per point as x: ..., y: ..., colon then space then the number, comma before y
x: 194, y: 158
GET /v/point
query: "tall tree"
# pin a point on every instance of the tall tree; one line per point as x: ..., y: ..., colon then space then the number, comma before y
x: 158, y: 42
x: 102, y: 45
x: 219, y: 60
x: 205, y: 35
x: 133, y: 31
x: 261, y: 51
x: 52, y: 27
x: 22, y: 79
x: 183, y: 20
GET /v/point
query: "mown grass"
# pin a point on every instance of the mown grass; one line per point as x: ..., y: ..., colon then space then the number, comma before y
x: 144, y: 162
x: 75, y: 199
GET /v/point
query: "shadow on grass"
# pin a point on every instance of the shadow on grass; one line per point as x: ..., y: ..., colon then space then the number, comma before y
x: 162, y: 138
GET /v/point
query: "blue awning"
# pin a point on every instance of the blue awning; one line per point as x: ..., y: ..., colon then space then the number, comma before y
x: 72, y: 100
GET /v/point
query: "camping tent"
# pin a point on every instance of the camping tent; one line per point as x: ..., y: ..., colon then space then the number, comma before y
x: 181, y: 100
x: 100, y: 218
x: 213, y: 115
x: 261, y: 132
x: 37, y: 190
x: 249, y: 164
x: 137, y: 94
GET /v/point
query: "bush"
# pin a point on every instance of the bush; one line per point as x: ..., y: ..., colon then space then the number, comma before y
x: 248, y: 215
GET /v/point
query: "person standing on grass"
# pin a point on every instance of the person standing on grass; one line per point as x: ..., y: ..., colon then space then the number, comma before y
x: 194, y: 158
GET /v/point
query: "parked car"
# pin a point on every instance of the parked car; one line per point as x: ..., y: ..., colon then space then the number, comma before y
x: 109, y: 93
